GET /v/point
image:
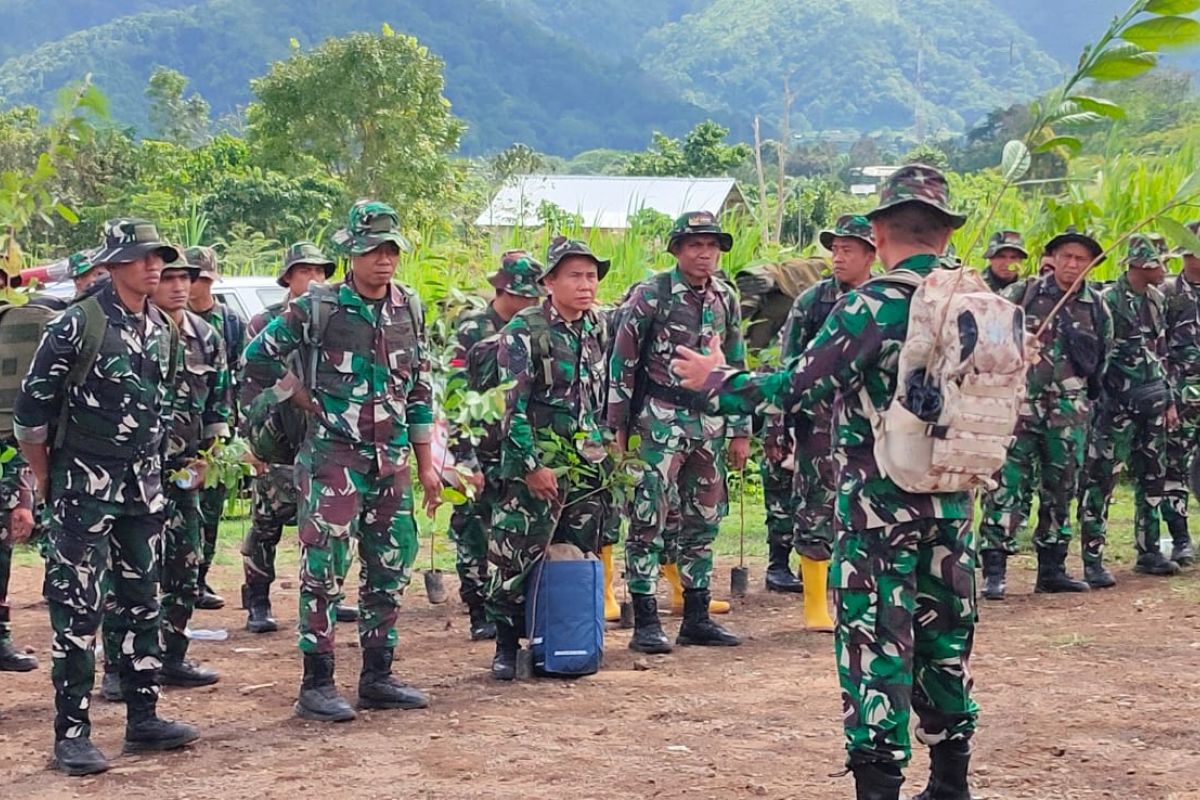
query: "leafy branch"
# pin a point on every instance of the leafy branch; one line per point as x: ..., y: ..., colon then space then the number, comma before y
x: 225, y: 465
x: 625, y: 467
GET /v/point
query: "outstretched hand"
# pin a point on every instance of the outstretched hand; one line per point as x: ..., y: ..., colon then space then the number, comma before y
x: 693, y: 368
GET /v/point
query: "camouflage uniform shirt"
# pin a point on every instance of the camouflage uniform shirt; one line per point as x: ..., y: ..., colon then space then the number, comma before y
x: 1139, y: 334
x: 201, y: 405
x: 474, y: 326
x: 855, y: 353
x: 1183, y: 337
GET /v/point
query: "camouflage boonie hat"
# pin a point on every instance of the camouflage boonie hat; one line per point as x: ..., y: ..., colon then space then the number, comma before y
x: 1194, y: 227
x: 184, y: 265
x: 369, y: 225
x: 1073, y: 234
x: 1006, y: 240
x: 562, y: 247
x: 697, y: 223
x: 917, y: 183
x: 79, y: 264
x: 304, y: 253
x: 126, y: 240
x: 205, y: 258
x: 520, y: 274
x: 849, y: 226
x: 1147, y: 251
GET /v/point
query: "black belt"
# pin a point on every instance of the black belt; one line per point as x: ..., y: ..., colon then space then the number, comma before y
x: 693, y: 401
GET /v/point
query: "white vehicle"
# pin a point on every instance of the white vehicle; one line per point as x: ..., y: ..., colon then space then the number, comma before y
x: 246, y: 295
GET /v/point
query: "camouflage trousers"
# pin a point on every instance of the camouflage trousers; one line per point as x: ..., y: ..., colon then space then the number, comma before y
x: 694, y: 472
x: 1046, y: 456
x: 523, y: 526
x: 469, y: 526
x: 101, y: 560
x: 344, y: 496
x: 815, y: 490
x: 1182, y: 445
x: 777, y: 497
x: 179, y: 574
x: 6, y: 552
x: 212, y: 506
x: 273, y: 506
x: 1119, y: 437
x: 905, y: 627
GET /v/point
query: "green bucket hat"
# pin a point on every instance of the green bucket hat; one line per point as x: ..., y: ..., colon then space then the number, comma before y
x: 370, y: 224
x: 125, y: 240
x: 696, y: 223
x: 562, y: 247
x: 183, y: 265
x: 1147, y: 251
x: 304, y: 253
x: 1006, y: 240
x: 849, y: 226
x: 79, y: 264
x: 1073, y: 234
x: 917, y: 183
x: 205, y: 258
x: 520, y: 274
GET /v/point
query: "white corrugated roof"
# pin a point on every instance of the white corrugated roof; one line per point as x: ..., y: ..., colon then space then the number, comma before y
x: 602, y: 201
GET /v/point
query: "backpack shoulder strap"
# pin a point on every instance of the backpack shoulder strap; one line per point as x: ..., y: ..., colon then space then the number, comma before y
x: 898, y: 277
x: 321, y: 309
x: 95, y: 325
x: 539, y: 343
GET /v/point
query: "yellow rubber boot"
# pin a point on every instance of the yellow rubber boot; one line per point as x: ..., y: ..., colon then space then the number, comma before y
x: 671, y: 573
x: 612, y: 609
x: 816, y: 602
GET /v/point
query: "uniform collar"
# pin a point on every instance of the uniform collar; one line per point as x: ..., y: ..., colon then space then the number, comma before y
x: 922, y: 264
x: 349, y: 296
x: 586, y: 322
x: 679, y: 284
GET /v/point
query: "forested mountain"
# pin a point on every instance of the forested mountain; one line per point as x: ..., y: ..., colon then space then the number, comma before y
x: 565, y: 75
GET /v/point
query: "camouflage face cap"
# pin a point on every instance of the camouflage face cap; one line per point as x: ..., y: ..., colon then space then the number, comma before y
x: 205, y: 258
x: 1073, y: 234
x: 126, y: 240
x: 1147, y: 251
x: 79, y: 264
x: 849, y: 226
x: 1006, y: 240
x: 182, y: 265
x: 520, y: 274
x: 369, y: 225
x: 304, y: 253
x: 562, y: 247
x: 696, y: 223
x: 917, y: 183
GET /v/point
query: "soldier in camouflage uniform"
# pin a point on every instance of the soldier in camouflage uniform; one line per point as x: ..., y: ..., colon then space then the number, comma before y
x: 99, y: 466
x: 1047, y: 452
x: 852, y: 243
x: 273, y: 492
x: 1135, y: 409
x: 1183, y: 369
x: 904, y: 563
x: 199, y: 415
x: 517, y: 287
x: 553, y: 354
x: 16, y: 526
x: 683, y: 445
x: 368, y: 391
x: 1005, y: 254
x: 230, y: 326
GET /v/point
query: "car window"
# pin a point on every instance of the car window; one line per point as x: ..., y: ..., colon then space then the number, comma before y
x: 270, y: 295
x: 231, y: 300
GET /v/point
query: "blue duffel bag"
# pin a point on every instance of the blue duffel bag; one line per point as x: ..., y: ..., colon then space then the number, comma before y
x: 564, y: 615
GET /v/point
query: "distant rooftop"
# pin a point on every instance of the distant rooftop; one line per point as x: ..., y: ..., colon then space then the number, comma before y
x: 605, y: 201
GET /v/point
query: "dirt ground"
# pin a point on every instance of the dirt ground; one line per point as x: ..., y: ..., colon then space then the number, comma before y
x: 1083, y: 696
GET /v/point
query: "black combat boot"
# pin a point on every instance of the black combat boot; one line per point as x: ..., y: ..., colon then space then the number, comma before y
x: 877, y: 781
x: 648, y: 635
x: 110, y: 686
x: 698, y: 628
x: 780, y: 577
x: 257, y: 600
x: 481, y: 628
x: 378, y: 687
x: 145, y: 731
x: 995, y: 570
x: 1052, y: 577
x: 345, y: 613
x: 183, y: 672
x: 504, y: 663
x: 1098, y: 576
x: 948, y: 763
x: 206, y: 598
x: 79, y: 756
x: 13, y: 660
x: 319, y: 700
x: 1182, y: 551
x: 1155, y: 563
